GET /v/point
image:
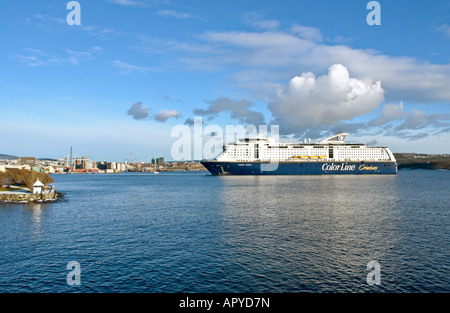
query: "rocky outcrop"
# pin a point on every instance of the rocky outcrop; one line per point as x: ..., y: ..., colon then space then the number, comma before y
x: 27, y: 197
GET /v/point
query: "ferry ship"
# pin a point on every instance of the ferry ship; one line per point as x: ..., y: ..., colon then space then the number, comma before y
x: 263, y: 156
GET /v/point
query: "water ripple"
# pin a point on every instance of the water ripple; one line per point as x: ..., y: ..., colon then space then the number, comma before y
x: 192, y: 232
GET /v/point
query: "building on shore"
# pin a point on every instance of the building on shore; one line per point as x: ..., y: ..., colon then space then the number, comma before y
x: 31, y: 161
x: 4, y: 167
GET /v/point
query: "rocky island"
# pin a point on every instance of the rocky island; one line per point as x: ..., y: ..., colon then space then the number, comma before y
x: 26, y: 186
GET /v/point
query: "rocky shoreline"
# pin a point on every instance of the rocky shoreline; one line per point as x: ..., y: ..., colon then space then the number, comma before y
x: 28, y: 197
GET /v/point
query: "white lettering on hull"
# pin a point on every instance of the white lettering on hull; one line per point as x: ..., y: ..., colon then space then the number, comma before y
x: 338, y: 167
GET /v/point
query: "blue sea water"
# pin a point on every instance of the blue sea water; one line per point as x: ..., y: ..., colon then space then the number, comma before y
x: 192, y: 232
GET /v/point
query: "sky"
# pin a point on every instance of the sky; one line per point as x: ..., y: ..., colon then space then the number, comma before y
x: 118, y: 84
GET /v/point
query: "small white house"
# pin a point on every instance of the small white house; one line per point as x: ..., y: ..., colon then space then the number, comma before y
x: 38, y: 186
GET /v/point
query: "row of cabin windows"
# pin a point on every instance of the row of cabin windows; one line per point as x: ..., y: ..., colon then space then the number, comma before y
x: 282, y: 152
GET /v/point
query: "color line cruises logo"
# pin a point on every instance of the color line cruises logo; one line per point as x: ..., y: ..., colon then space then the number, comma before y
x: 347, y: 167
x: 338, y: 167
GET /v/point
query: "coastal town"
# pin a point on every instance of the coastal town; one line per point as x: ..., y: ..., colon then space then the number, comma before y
x: 85, y: 165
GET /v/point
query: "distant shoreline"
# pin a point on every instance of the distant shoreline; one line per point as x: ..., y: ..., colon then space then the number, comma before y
x: 422, y: 161
x: 404, y: 160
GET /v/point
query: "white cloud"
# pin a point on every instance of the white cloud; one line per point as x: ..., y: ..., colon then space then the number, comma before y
x: 238, y: 109
x: 37, y: 57
x: 389, y: 113
x: 52, y: 24
x: 125, y: 68
x: 76, y: 57
x: 256, y: 61
x: 164, y: 115
x: 171, y: 13
x: 46, y: 21
x: 258, y: 40
x: 309, y: 101
x: 417, y: 119
x: 258, y: 20
x: 133, y: 3
x: 30, y: 60
x: 306, y: 32
x: 273, y: 56
x: 147, y: 44
x: 101, y: 32
x: 444, y: 28
x: 404, y: 78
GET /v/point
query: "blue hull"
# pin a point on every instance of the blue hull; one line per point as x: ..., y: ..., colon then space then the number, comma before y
x: 299, y: 168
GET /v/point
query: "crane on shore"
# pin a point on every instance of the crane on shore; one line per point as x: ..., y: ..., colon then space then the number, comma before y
x: 135, y: 165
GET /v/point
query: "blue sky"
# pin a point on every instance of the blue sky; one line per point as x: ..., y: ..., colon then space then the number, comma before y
x: 134, y: 69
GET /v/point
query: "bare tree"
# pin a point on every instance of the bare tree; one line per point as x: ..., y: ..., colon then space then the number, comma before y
x: 28, y: 177
x: 5, y: 180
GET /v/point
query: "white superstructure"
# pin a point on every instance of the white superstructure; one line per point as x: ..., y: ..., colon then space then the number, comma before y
x: 333, y: 148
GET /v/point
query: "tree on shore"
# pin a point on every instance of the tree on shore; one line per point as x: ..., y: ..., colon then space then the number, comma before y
x: 24, y: 177
x: 5, y: 180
